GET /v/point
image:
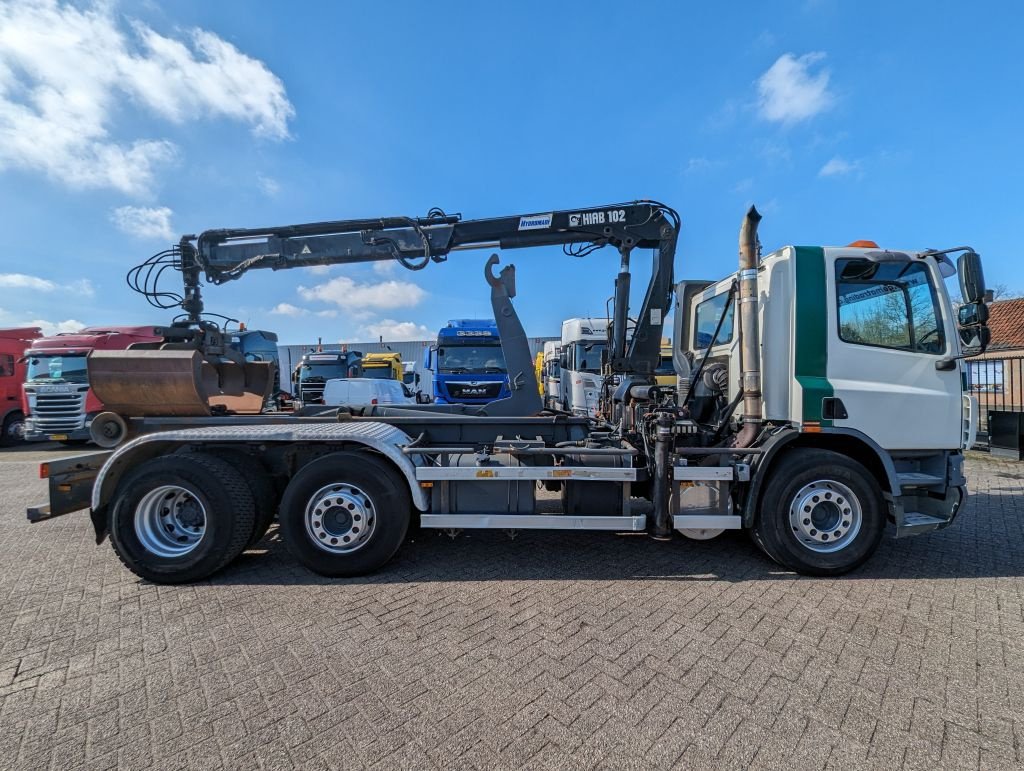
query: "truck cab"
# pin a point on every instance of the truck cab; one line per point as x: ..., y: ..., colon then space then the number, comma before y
x: 59, y: 404
x: 13, y: 343
x: 468, y: 364
x: 383, y: 366
x: 316, y: 368
x: 861, y: 353
x: 583, y: 344
x: 551, y: 375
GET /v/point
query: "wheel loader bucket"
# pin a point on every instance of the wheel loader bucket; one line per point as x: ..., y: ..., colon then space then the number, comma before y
x: 176, y: 383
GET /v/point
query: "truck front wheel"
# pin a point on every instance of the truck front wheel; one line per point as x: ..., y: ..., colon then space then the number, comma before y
x: 345, y: 514
x: 12, y: 429
x: 821, y: 514
x: 179, y: 518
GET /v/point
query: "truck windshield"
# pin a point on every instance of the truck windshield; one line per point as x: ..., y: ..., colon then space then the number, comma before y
x: 457, y: 359
x: 322, y: 371
x: 377, y: 372
x: 63, y: 369
x: 587, y: 356
x: 665, y: 366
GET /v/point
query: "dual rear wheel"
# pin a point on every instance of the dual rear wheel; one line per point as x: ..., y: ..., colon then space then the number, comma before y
x: 182, y: 517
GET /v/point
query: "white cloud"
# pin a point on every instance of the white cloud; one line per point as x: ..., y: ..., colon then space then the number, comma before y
x: 67, y: 71
x: 319, y: 270
x: 384, y: 267
x: 55, y: 327
x: 838, y: 167
x: 144, y: 222
x: 287, y: 309
x: 352, y: 295
x: 700, y: 164
x: 11, y: 319
x: 294, y: 311
x: 24, y: 281
x: 790, y: 92
x: 82, y: 286
x: 269, y: 186
x: 394, y: 331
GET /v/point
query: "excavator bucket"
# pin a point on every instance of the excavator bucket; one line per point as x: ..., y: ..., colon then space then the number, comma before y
x: 177, y: 383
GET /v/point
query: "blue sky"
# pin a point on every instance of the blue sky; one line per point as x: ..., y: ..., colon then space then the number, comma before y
x: 123, y: 125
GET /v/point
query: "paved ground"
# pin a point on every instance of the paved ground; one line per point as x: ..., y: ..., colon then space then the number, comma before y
x: 547, y: 651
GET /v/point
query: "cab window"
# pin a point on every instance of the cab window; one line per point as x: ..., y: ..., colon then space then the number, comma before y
x: 708, y: 314
x: 889, y: 305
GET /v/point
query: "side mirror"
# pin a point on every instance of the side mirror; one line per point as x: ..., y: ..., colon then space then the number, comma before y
x: 416, y: 378
x: 563, y: 361
x: 976, y: 338
x: 972, y: 313
x: 972, y: 279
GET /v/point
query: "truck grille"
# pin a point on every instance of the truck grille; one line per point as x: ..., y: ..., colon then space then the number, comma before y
x: 57, y: 413
x: 457, y: 390
x: 312, y: 393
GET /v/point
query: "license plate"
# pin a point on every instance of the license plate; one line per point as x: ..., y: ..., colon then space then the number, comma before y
x: 58, y: 437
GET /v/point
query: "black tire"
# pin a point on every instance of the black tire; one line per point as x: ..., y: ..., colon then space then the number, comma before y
x: 381, y: 497
x: 821, y: 513
x: 13, y: 429
x: 264, y: 492
x: 212, y: 482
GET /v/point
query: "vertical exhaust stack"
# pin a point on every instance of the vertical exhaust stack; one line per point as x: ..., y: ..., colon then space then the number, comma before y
x: 750, y: 347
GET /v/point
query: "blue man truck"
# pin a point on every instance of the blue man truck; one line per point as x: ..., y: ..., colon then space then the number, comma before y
x: 467, y: 364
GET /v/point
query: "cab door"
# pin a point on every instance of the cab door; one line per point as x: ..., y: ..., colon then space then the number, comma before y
x: 889, y: 351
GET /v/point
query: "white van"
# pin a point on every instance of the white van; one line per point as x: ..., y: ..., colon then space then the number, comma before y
x: 358, y: 392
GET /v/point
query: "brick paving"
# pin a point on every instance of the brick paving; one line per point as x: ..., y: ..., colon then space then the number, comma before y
x: 561, y: 651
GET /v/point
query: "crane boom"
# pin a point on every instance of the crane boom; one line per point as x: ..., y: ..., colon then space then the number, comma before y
x: 204, y: 373
x: 227, y: 254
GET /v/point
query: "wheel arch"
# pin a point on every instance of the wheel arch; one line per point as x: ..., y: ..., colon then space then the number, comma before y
x: 380, y: 438
x: 845, y: 441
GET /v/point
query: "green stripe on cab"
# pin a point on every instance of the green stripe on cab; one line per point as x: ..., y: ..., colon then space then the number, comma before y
x: 811, y: 360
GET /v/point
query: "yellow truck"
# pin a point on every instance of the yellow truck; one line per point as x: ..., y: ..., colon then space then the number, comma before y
x: 665, y: 374
x: 383, y: 366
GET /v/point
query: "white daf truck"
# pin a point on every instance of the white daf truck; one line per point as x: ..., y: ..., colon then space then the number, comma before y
x: 583, y: 345
x: 820, y: 396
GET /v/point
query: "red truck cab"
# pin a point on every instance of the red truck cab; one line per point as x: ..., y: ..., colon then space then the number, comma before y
x: 13, y: 343
x: 59, y: 405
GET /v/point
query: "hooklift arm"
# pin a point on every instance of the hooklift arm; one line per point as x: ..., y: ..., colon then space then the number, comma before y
x: 225, y: 255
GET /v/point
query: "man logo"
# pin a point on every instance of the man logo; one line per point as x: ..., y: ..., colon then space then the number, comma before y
x: 574, y: 220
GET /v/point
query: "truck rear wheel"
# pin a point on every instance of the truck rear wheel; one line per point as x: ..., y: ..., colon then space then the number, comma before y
x: 179, y: 518
x: 821, y: 513
x: 345, y: 514
x: 264, y: 493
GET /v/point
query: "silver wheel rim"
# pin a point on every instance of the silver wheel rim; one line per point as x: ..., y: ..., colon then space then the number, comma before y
x: 16, y: 429
x: 825, y: 516
x: 340, y: 518
x: 170, y: 521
